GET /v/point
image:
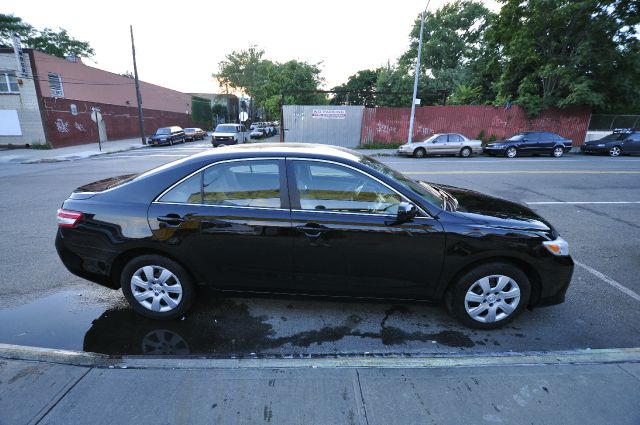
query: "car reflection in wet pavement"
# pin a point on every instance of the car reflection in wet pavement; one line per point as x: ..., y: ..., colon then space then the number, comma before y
x: 233, y: 327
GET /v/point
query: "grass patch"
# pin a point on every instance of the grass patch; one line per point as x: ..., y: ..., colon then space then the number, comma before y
x: 45, y: 146
x: 381, y: 145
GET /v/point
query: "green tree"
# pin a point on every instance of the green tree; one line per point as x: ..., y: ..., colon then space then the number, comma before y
x: 567, y: 52
x: 358, y: 90
x: 56, y: 43
x: 453, y: 41
x: 266, y: 81
x: 9, y: 25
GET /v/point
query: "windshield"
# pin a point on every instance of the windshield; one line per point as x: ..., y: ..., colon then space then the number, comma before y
x: 163, y: 131
x: 516, y: 137
x: 615, y: 136
x: 424, y: 190
x: 430, y: 139
x: 225, y: 128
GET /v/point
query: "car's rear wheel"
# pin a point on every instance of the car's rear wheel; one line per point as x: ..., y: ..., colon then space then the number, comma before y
x: 558, y: 151
x: 489, y: 296
x: 157, y: 287
x: 511, y: 152
x: 465, y: 152
x: 615, y: 151
x: 419, y: 153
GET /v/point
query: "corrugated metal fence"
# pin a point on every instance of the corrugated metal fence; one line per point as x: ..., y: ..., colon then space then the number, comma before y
x: 329, y: 125
x: 391, y: 125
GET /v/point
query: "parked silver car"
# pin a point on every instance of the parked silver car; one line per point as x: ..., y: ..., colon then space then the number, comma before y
x: 442, y: 144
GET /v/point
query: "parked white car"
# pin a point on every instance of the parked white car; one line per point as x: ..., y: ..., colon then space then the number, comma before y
x: 442, y: 144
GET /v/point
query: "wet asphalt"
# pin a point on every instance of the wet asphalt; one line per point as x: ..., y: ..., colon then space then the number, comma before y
x: 41, y: 304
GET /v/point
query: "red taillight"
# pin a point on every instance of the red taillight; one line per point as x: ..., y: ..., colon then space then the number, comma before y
x: 68, y: 218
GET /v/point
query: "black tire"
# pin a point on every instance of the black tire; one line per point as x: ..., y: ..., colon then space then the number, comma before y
x: 419, y: 153
x: 511, y: 152
x: 615, y: 151
x: 457, y: 303
x: 466, y: 152
x: 557, y: 152
x: 170, y: 142
x: 180, y: 279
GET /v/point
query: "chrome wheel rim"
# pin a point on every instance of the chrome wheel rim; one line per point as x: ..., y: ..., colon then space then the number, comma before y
x: 492, y: 298
x: 511, y: 152
x: 614, y: 151
x: 466, y: 153
x: 419, y: 153
x: 557, y: 152
x: 156, y: 288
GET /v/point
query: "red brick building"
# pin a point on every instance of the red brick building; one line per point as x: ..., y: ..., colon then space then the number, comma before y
x: 67, y: 90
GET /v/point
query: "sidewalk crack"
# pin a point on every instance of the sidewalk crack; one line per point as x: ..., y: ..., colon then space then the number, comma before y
x: 364, y: 406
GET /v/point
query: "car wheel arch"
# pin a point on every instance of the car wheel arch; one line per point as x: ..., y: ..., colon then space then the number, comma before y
x: 120, y: 262
x: 526, y: 268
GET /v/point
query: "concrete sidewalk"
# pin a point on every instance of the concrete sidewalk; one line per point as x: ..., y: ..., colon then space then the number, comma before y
x: 29, y: 156
x: 579, y: 387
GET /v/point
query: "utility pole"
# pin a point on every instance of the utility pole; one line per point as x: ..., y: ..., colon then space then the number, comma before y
x: 415, y: 81
x: 135, y: 74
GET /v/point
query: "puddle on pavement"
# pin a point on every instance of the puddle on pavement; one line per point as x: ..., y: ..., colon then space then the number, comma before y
x: 216, y: 327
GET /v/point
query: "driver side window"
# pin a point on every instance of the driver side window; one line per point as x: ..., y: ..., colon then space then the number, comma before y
x: 332, y: 187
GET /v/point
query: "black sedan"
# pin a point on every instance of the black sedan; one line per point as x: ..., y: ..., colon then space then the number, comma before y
x: 529, y: 143
x: 309, y: 219
x: 620, y: 142
x: 167, y: 136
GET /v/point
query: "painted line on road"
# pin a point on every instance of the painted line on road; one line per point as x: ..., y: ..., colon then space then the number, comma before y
x: 609, y: 280
x: 580, y: 202
x: 525, y: 172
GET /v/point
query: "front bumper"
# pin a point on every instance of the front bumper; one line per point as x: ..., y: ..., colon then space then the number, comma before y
x: 594, y: 149
x: 405, y: 151
x: 556, y: 276
x: 493, y: 150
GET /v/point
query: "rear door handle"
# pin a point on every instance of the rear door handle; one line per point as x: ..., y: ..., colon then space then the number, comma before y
x: 171, y: 219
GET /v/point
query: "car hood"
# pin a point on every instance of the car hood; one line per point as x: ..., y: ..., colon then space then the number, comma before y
x: 492, y: 211
x: 499, y: 143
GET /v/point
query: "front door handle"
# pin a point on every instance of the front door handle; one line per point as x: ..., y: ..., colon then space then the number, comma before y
x: 171, y: 219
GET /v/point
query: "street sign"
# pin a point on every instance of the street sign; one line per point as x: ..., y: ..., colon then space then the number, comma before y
x: 418, y: 101
x: 243, y: 116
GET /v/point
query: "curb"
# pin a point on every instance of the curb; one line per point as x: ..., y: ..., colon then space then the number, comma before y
x: 87, y: 359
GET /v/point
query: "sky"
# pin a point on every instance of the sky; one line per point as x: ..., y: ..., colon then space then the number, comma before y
x: 179, y: 44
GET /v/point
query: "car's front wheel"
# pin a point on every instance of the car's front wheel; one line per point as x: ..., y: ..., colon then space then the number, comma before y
x: 419, y: 153
x: 511, y: 152
x: 157, y: 287
x: 489, y: 296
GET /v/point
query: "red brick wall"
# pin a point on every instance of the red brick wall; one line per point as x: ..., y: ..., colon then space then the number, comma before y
x: 66, y: 129
x: 391, y: 125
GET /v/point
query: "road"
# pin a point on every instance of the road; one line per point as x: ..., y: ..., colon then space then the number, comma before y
x: 593, y: 201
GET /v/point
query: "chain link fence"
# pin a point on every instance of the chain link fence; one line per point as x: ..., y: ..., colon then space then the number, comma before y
x: 608, y: 122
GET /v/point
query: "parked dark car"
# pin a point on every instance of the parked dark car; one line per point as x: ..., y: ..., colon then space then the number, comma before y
x: 529, y: 143
x: 167, y: 136
x: 621, y: 142
x: 309, y: 219
x: 194, y: 133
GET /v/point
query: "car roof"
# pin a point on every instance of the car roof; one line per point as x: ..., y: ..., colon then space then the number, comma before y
x: 250, y: 150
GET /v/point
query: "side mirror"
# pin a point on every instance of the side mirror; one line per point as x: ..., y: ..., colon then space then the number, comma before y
x: 406, y: 212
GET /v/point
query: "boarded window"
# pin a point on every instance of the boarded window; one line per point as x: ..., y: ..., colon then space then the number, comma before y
x: 55, y: 82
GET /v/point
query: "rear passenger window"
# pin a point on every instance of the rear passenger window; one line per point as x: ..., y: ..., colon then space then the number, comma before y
x: 187, y: 192
x: 243, y: 184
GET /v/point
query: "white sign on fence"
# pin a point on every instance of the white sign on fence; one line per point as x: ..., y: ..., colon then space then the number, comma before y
x: 329, y: 114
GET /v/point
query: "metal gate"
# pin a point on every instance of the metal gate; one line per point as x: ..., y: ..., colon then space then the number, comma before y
x: 338, y: 125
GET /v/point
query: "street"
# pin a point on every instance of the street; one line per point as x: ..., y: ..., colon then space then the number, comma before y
x: 592, y: 201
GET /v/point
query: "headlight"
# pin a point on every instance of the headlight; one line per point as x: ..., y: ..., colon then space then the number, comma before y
x: 600, y: 145
x: 557, y: 247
